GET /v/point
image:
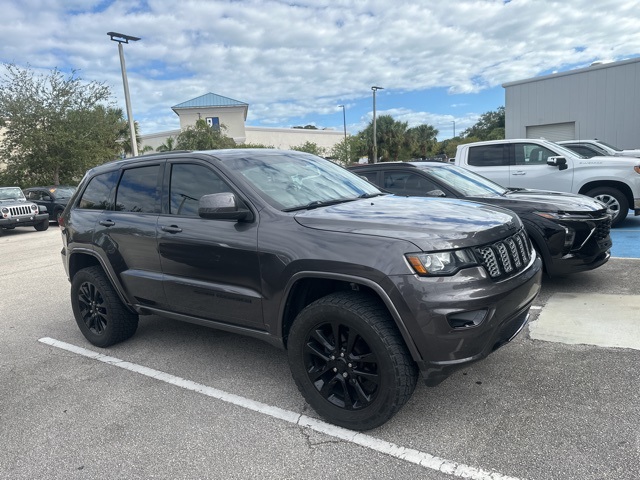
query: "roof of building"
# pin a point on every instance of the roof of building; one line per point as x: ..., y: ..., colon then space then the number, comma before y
x: 210, y: 100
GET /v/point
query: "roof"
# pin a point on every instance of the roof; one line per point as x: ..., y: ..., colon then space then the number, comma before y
x: 210, y: 100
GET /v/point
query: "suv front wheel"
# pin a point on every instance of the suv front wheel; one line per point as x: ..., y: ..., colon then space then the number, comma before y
x: 349, y: 361
x: 102, y: 317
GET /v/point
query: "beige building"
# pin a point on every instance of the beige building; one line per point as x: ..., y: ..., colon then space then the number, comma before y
x: 217, y: 110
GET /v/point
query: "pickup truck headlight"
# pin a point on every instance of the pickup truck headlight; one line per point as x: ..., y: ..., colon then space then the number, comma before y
x: 441, y: 263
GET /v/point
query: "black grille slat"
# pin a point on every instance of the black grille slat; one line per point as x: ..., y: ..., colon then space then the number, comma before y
x: 506, y: 257
x: 21, y: 210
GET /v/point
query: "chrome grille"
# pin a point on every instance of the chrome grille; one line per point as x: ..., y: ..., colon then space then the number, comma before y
x: 506, y: 257
x: 21, y: 210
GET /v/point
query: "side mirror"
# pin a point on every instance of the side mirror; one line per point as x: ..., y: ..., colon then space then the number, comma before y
x: 559, y: 162
x: 222, y: 206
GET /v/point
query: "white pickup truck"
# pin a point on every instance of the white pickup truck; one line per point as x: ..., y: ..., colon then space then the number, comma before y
x: 541, y: 164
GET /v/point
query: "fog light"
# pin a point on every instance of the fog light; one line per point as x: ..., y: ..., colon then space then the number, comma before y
x: 467, y: 319
x: 569, y: 237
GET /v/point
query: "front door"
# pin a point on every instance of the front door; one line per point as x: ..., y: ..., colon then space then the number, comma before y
x: 211, y: 267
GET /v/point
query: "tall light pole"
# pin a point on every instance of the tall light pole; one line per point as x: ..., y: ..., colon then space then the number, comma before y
x: 344, y: 121
x: 121, y: 38
x: 454, y: 128
x: 375, y: 140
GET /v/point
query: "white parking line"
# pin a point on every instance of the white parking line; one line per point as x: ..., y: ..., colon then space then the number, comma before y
x: 407, y: 454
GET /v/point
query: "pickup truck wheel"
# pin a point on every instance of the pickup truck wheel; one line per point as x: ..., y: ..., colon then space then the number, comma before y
x: 614, y: 199
x: 42, y: 226
x: 102, y: 317
x: 349, y: 361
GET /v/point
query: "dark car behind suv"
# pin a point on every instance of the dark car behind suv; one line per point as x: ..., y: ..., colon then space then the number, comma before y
x: 362, y: 288
x: 570, y: 231
x: 54, y: 197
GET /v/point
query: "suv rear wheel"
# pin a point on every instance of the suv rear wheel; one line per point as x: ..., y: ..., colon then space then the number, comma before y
x: 102, y: 317
x: 349, y: 361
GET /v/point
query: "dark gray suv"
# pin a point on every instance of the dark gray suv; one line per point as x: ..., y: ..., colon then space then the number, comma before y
x: 363, y: 289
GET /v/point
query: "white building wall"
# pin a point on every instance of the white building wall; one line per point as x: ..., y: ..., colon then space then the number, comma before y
x: 601, y: 101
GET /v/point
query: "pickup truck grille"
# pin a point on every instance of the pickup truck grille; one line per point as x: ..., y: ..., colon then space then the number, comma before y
x: 21, y: 210
x: 506, y: 257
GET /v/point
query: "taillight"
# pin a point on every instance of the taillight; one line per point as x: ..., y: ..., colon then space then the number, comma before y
x: 60, y: 222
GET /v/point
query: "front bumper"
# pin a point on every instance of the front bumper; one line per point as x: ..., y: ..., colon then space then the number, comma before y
x: 24, y: 221
x: 431, y: 309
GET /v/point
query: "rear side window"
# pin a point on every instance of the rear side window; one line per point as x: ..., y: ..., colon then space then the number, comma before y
x: 139, y: 190
x: 97, y: 194
x: 488, y: 156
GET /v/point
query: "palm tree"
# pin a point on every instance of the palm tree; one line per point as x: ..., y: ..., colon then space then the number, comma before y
x: 167, y: 146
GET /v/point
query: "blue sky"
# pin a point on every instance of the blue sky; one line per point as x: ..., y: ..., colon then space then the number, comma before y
x: 439, y: 62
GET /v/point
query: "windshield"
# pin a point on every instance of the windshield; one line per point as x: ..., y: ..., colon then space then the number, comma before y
x: 561, y: 149
x: 610, y: 146
x: 293, y: 180
x: 465, y: 181
x: 11, y: 193
x: 64, y: 192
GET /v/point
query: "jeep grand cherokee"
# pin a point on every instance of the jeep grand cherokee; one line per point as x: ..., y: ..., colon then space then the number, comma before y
x: 363, y: 289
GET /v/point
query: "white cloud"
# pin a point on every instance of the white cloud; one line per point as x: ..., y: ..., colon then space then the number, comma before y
x: 294, y: 61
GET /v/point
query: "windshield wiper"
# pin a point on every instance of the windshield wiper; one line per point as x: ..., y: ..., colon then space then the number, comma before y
x: 371, y: 195
x: 318, y: 203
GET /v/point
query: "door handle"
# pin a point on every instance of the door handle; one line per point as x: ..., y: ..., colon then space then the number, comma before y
x: 107, y: 223
x: 519, y: 172
x: 171, y: 229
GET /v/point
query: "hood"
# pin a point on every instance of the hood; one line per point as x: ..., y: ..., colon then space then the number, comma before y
x: 526, y: 200
x: 630, y: 152
x: 430, y: 223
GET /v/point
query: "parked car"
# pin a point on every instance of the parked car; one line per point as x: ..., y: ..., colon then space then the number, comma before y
x: 17, y: 211
x: 545, y: 165
x: 55, y: 198
x: 598, y: 145
x: 571, y: 232
x: 587, y: 150
x: 363, y: 289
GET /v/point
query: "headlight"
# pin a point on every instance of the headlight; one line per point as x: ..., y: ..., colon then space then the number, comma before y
x: 34, y: 207
x: 5, y: 210
x: 441, y: 263
x: 563, y: 216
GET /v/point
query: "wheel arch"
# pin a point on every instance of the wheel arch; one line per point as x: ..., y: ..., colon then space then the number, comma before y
x: 306, y: 287
x: 620, y: 186
x: 88, y: 258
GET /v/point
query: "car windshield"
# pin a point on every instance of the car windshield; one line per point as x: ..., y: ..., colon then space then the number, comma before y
x: 465, y: 181
x: 291, y: 181
x: 562, y: 150
x: 11, y: 193
x: 610, y: 146
x: 64, y: 192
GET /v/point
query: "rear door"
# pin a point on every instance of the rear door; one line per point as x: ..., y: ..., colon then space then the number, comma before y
x: 211, y: 267
x: 490, y: 161
x: 126, y: 234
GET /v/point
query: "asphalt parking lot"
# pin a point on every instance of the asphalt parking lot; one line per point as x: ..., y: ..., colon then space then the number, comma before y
x: 183, y: 401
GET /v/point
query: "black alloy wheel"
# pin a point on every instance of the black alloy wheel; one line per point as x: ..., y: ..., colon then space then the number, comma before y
x: 100, y: 314
x: 349, y: 360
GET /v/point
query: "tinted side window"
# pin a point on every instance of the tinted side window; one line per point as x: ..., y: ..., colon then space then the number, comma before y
x: 97, y: 194
x: 189, y: 182
x: 488, y: 156
x: 371, y: 176
x: 138, y: 190
x: 405, y: 183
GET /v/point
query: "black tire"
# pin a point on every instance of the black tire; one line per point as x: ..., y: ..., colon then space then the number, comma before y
x: 361, y: 380
x: 102, y: 317
x: 615, y: 200
x: 42, y: 226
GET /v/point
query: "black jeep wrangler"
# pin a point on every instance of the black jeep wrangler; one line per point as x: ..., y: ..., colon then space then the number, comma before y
x: 363, y: 289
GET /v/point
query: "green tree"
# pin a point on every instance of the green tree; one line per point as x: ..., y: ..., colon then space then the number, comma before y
x: 422, y: 141
x: 55, y: 126
x: 309, y: 147
x: 391, y: 139
x: 168, y: 145
x: 203, y: 137
x: 490, y: 126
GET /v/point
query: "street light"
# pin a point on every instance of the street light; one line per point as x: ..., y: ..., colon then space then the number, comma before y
x: 375, y: 141
x: 121, y: 38
x: 454, y: 128
x: 344, y: 120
